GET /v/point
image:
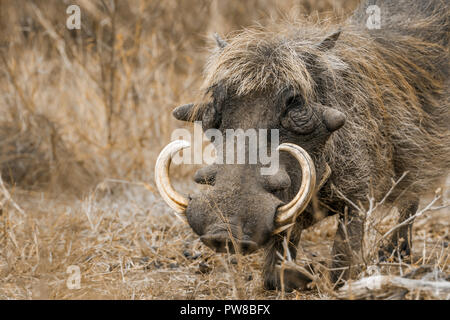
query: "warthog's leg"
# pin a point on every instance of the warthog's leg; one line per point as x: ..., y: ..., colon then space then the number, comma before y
x: 346, y: 251
x: 401, y: 241
x: 292, y: 278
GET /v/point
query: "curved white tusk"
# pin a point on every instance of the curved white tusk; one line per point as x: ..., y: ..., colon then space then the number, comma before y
x: 289, y: 212
x: 175, y: 200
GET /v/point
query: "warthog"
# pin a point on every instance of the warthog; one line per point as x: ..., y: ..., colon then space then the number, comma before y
x: 355, y: 108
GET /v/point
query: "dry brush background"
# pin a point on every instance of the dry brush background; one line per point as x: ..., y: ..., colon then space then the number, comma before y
x: 84, y: 114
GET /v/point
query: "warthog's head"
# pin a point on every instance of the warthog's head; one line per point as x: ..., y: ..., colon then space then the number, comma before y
x: 267, y: 84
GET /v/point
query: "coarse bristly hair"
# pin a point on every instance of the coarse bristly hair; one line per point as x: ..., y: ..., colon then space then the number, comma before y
x: 392, y: 84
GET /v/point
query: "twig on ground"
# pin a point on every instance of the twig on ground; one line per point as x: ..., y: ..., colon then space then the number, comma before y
x: 407, y: 221
x: 382, y: 286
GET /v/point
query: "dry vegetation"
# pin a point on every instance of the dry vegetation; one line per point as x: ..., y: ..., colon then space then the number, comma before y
x: 84, y: 115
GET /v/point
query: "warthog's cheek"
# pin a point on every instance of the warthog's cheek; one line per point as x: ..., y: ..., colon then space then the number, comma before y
x: 194, y: 218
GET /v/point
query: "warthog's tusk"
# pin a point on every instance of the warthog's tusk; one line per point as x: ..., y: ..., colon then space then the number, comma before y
x: 289, y: 212
x: 175, y: 200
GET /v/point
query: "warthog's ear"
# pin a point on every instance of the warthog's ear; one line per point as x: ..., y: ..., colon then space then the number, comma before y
x: 333, y: 119
x: 184, y: 113
x: 220, y: 42
x: 330, y: 41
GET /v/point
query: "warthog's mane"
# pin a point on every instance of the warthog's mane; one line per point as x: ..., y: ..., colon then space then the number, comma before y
x: 392, y: 83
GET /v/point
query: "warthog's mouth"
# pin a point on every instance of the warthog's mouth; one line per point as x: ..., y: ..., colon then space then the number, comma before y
x: 223, y: 243
x: 285, y: 215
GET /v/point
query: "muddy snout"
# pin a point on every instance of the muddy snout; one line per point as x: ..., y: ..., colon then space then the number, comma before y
x: 223, y: 243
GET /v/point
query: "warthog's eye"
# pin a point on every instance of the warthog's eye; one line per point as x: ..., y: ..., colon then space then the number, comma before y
x: 294, y: 101
x: 299, y: 117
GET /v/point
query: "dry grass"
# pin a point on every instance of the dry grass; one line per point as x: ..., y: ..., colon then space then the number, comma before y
x: 128, y: 246
x: 82, y: 108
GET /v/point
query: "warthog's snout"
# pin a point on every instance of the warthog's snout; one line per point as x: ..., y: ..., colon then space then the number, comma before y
x: 239, y: 196
x: 233, y: 219
x: 223, y: 243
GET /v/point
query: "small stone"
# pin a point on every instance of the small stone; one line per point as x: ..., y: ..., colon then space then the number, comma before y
x: 204, y: 268
x: 187, y: 254
x: 196, y: 256
x: 190, y: 256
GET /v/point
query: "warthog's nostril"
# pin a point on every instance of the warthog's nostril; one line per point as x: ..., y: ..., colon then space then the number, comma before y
x: 248, y: 246
x: 218, y: 244
x: 222, y: 243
